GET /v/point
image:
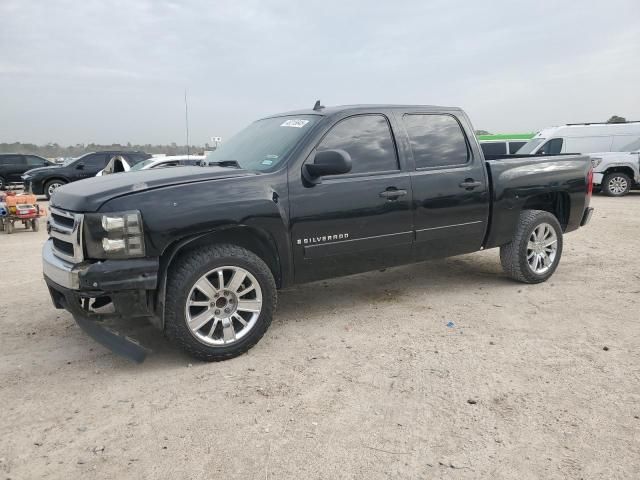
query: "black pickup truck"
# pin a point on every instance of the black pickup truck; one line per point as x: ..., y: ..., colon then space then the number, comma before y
x: 297, y: 197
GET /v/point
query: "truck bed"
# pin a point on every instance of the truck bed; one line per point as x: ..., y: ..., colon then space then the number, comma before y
x: 518, y: 182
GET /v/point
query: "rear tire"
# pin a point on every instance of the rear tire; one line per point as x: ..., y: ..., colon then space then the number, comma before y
x: 616, y: 184
x: 35, y: 224
x: 534, y: 253
x: 223, y: 336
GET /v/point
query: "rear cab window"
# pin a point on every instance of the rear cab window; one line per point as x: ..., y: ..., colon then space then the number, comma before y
x: 494, y: 148
x: 436, y: 140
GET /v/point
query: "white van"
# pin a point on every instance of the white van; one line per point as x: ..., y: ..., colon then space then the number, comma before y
x: 584, y: 138
x: 614, y: 150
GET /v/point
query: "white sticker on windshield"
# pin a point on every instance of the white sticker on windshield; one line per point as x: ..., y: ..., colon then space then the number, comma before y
x: 297, y: 123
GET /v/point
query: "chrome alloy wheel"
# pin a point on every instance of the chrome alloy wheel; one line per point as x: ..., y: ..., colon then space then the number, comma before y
x: 617, y: 185
x: 223, y: 306
x: 542, y: 248
x: 53, y: 187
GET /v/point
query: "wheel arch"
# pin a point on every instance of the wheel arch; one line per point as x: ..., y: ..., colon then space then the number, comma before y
x: 556, y: 203
x: 255, y: 240
x: 52, y: 179
x: 620, y: 169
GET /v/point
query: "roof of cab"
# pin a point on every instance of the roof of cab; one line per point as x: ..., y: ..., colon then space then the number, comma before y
x: 336, y: 109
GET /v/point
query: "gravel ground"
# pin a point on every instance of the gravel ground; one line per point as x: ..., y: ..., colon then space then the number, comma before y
x: 437, y: 370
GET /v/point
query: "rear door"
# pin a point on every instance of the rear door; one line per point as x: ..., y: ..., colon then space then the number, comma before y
x: 357, y: 221
x: 14, y: 167
x: 450, y: 188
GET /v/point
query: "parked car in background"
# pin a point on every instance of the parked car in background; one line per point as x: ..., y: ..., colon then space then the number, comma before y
x: 503, y: 144
x: 299, y: 197
x: 118, y: 164
x: 13, y: 166
x: 46, y: 179
x: 616, y: 173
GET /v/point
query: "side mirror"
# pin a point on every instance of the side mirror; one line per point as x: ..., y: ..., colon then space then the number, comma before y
x: 326, y: 162
x: 80, y: 166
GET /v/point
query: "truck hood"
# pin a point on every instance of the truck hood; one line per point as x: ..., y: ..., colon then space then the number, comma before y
x: 89, y: 195
x: 42, y: 169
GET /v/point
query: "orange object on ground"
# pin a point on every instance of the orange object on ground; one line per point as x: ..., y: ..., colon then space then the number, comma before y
x: 13, y: 200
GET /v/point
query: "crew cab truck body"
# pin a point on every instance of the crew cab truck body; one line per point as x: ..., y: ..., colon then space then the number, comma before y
x: 294, y: 198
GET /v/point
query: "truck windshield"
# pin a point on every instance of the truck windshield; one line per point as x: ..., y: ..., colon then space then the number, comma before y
x: 530, y: 146
x: 263, y: 144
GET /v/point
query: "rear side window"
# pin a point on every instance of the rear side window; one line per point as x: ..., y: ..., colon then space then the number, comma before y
x: 552, y: 147
x: 367, y: 139
x: 34, y: 161
x: 436, y: 140
x: 12, y: 160
x: 494, y: 148
x: 515, y: 146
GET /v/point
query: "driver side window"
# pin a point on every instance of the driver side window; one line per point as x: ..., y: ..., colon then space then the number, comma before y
x: 367, y: 139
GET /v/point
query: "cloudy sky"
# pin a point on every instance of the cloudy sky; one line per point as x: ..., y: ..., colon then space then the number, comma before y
x: 115, y: 71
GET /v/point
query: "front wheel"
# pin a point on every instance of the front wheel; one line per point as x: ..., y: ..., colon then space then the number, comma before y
x: 535, y: 250
x: 616, y: 184
x: 220, y: 301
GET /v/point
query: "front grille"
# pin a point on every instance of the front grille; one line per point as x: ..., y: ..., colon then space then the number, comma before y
x: 64, y: 247
x: 62, y: 220
x: 66, y: 232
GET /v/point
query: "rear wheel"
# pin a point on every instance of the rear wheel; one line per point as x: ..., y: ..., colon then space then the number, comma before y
x: 35, y: 224
x: 51, y: 186
x: 534, y: 253
x: 220, y: 301
x: 616, y: 184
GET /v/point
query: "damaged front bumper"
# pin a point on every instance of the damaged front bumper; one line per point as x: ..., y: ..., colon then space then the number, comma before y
x: 128, y: 284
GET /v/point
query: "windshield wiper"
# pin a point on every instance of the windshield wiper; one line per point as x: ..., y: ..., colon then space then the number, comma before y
x: 224, y: 163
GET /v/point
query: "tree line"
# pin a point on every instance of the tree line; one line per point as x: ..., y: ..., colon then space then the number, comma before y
x: 54, y: 150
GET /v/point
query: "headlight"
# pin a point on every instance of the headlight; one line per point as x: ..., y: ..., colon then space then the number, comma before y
x: 595, y: 161
x: 114, y: 235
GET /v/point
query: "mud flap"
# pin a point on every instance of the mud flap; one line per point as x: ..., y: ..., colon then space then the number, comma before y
x: 119, y: 344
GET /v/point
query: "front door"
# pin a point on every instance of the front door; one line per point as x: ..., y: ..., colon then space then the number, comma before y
x: 357, y: 221
x: 450, y: 188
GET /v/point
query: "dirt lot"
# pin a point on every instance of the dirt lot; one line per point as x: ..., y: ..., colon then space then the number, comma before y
x: 359, y: 377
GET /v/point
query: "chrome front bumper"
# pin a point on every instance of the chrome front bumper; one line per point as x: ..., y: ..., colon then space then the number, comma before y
x: 63, y: 273
x: 597, y: 178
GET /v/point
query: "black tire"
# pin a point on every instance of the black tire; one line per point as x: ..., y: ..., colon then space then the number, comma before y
x: 35, y: 224
x: 50, y: 183
x: 3, y: 183
x: 513, y: 255
x: 187, y: 270
x: 616, y: 184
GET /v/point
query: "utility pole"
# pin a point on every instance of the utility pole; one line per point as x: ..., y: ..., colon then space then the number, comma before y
x: 186, y: 119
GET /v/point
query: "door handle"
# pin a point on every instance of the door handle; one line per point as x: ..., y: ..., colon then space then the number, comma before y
x: 470, y: 184
x: 392, y: 193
